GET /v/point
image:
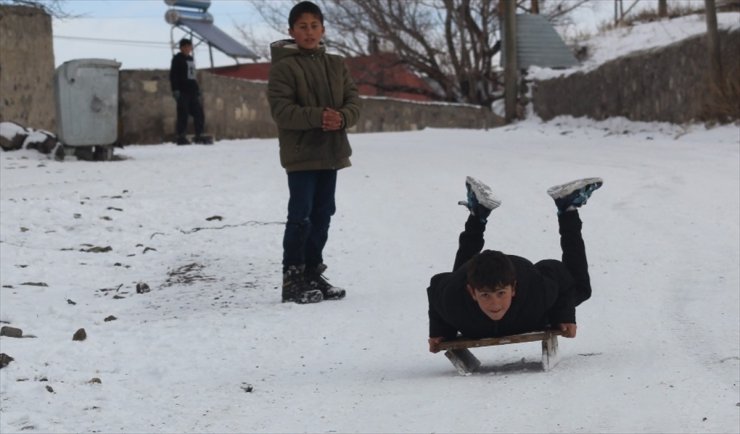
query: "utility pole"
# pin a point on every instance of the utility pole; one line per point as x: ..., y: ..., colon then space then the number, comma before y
x: 662, y: 8
x: 511, y: 68
x: 715, y: 61
x: 535, y: 7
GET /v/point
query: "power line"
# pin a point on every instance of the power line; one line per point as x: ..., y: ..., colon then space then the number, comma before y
x: 223, y: 15
x: 128, y: 42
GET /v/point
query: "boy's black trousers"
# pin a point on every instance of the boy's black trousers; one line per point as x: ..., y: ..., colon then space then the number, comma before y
x: 188, y: 103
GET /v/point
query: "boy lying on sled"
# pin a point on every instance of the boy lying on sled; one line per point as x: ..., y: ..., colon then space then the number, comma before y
x: 491, y: 294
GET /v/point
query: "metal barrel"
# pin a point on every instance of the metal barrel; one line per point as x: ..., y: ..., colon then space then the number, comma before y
x: 174, y: 16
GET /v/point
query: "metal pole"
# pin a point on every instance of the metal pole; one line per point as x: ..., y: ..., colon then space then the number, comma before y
x: 210, y: 53
x: 511, y: 69
x: 535, y: 7
x: 715, y: 61
x: 662, y: 8
x: 616, y: 15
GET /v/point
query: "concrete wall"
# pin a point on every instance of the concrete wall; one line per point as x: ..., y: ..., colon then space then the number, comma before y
x: 26, y: 67
x: 668, y: 84
x: 237, y: 108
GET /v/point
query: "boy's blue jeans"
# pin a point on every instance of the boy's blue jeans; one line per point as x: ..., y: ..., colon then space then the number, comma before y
x: 310, y: 208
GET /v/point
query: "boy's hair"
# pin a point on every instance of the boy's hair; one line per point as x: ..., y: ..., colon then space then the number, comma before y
x: 304, y: 7
x: 490, y: 270
x: 185, y: 41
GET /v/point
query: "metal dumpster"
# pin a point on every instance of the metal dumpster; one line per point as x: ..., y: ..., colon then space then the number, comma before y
x: 87, y: 107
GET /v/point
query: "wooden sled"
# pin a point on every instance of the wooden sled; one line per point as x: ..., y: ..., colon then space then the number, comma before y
x: 466, y: 363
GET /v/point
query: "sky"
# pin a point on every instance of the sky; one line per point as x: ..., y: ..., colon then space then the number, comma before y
x: 135, y: 33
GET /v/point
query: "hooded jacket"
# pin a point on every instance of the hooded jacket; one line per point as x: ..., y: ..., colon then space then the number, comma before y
x: 544, y: 298
x: 302, y: 83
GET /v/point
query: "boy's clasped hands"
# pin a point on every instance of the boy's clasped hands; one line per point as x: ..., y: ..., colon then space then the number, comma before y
x: 331, y: 120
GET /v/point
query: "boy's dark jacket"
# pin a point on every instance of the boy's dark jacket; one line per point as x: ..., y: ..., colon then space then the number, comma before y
x: 544, y: 298
x: 302, y: 83
x: 182, y: 74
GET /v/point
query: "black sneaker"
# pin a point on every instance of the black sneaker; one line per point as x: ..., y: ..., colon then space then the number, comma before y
x: 480, y: 199
x: 203, y: 140
x: 182, y: 140
x: 296, y: 289
x: 574, y: 194
x: 316, y: 280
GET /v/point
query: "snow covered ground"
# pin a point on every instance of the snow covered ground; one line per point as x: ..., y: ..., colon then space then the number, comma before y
x: 212, y: 349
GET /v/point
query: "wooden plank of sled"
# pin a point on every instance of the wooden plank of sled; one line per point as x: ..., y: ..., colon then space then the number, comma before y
x: 466, y: 363
x: 456, y: 344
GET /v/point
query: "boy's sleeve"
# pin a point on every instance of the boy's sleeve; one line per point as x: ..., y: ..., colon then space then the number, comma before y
x: 437, y: 325
x: 286, y: 112
x: 174, y: 75
x: 350, y: 109
x: 563, y: 311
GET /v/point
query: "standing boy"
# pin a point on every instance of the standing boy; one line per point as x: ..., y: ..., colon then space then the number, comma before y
x: 490, y: 294
x: 313, y: 101
x: 186, y: 92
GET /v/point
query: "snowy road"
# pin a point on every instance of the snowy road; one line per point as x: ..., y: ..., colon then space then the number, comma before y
x: 657, y: 349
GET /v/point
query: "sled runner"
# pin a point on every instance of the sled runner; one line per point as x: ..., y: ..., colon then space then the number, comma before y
x: 466, y: 363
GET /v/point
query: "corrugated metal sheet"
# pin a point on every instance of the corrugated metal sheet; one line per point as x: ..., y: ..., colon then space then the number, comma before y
x: 538, y: 44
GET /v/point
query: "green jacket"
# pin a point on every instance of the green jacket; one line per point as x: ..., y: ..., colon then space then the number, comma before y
x: 302, y: 83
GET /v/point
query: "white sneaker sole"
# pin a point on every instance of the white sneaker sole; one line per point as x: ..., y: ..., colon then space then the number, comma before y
x: 562, y: 190
x: 483, y: 193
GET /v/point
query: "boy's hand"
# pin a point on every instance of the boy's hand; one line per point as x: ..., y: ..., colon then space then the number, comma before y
x: 434, y: 344
x: 568, y: 329
x: 331, y: 120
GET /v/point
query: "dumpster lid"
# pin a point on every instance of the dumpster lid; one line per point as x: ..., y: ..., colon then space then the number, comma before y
x: 81, y: 63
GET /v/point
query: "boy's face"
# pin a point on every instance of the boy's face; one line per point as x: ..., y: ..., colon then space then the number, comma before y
x: 186, y: 49
x: 307, y: 31
x: 494, y: 303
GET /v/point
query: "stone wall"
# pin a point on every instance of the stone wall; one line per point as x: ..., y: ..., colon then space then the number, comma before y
x: 26, y: 67
x: 667, y: 84
x: 234, y: 108
x: 381, y: 114
x: 237, y: 108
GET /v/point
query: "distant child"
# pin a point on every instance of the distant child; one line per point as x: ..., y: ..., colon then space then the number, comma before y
x: 187, y: 95
x: 313, y: 101
x: 490, y: 294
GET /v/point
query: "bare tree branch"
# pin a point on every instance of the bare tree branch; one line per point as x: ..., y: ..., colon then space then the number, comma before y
x: 55, y: 8
x: 452, y: 44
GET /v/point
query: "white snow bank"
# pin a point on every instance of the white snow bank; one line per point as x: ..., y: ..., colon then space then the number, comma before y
x: 625, y: 40
x: 10, y: 129
x: 36, y: 136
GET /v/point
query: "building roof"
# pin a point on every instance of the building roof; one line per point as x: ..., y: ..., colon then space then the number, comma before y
x: 381, y: 74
